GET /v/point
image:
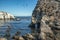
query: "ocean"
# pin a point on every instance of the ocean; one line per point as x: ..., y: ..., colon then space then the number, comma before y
x: 13, y: 26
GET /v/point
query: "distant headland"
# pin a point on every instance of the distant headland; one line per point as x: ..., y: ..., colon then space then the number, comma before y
x: 6, y: 16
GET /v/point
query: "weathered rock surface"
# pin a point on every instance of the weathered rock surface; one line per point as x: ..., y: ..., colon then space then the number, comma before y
x: 29, y: 37
x: 18, y: 38
x: 3, y: 39
x: 5, y: 15
x: 25, y: 37
x: 47, y: 17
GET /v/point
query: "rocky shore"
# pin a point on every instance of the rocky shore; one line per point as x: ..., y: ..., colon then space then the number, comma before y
x: 45, y: 21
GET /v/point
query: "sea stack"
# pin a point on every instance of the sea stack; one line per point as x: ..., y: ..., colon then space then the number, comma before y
x: 6, y: 16
x: 46, y: 15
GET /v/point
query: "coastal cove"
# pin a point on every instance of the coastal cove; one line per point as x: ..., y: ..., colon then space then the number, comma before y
x: 15, y: 26
x: 42, y: 24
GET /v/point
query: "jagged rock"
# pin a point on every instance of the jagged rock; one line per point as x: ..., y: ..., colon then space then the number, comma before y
x: 21, y: 38
x: 29, y: 37
x: 5, y: 15
x: 17, y: 33
x: 47, y: 14
x: 17, y: 38
x: 45, y: 29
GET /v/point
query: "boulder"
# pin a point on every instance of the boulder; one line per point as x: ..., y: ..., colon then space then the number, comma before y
x: 17, y: 38
x: 21, y: 38
x: 3, y: 39
x: 29, y: 37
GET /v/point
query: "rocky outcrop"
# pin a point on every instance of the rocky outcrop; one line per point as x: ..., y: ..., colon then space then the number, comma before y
x: 47, y: 17
x: 24, y: 37
x: 5, y: 15
x: 3, y: 39
x: 18, y: 38
x: 29, y: 37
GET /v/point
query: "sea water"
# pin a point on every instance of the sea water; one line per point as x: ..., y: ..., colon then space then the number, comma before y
x: 21, y: 26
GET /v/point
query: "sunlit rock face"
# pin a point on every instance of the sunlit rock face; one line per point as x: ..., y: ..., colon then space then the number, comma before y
x: 5, y: 15
x: 46, y: 7
x: 47, y: 17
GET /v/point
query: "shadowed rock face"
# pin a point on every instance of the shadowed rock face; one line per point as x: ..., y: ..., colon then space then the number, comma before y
x: 47, y: 17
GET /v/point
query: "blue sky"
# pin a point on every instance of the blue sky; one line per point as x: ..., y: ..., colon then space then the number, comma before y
x: 18, y: 7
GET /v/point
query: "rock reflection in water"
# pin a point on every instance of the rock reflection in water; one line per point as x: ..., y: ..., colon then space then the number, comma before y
x: 2, y: 22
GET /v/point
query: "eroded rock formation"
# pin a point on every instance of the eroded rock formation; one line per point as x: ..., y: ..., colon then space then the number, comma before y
x: 47, y: 17
x: 5, y: 15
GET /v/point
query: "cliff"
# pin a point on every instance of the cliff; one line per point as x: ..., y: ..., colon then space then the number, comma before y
x: 47, y: 17
x: 5, y: 15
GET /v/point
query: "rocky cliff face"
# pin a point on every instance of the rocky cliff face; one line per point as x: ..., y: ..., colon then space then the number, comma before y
x: 47, y: 17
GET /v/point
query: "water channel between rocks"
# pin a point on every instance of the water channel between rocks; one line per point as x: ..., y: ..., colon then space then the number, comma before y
x: 21, y: 26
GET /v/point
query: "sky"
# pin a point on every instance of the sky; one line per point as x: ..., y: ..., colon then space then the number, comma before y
x: 18, y: 7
